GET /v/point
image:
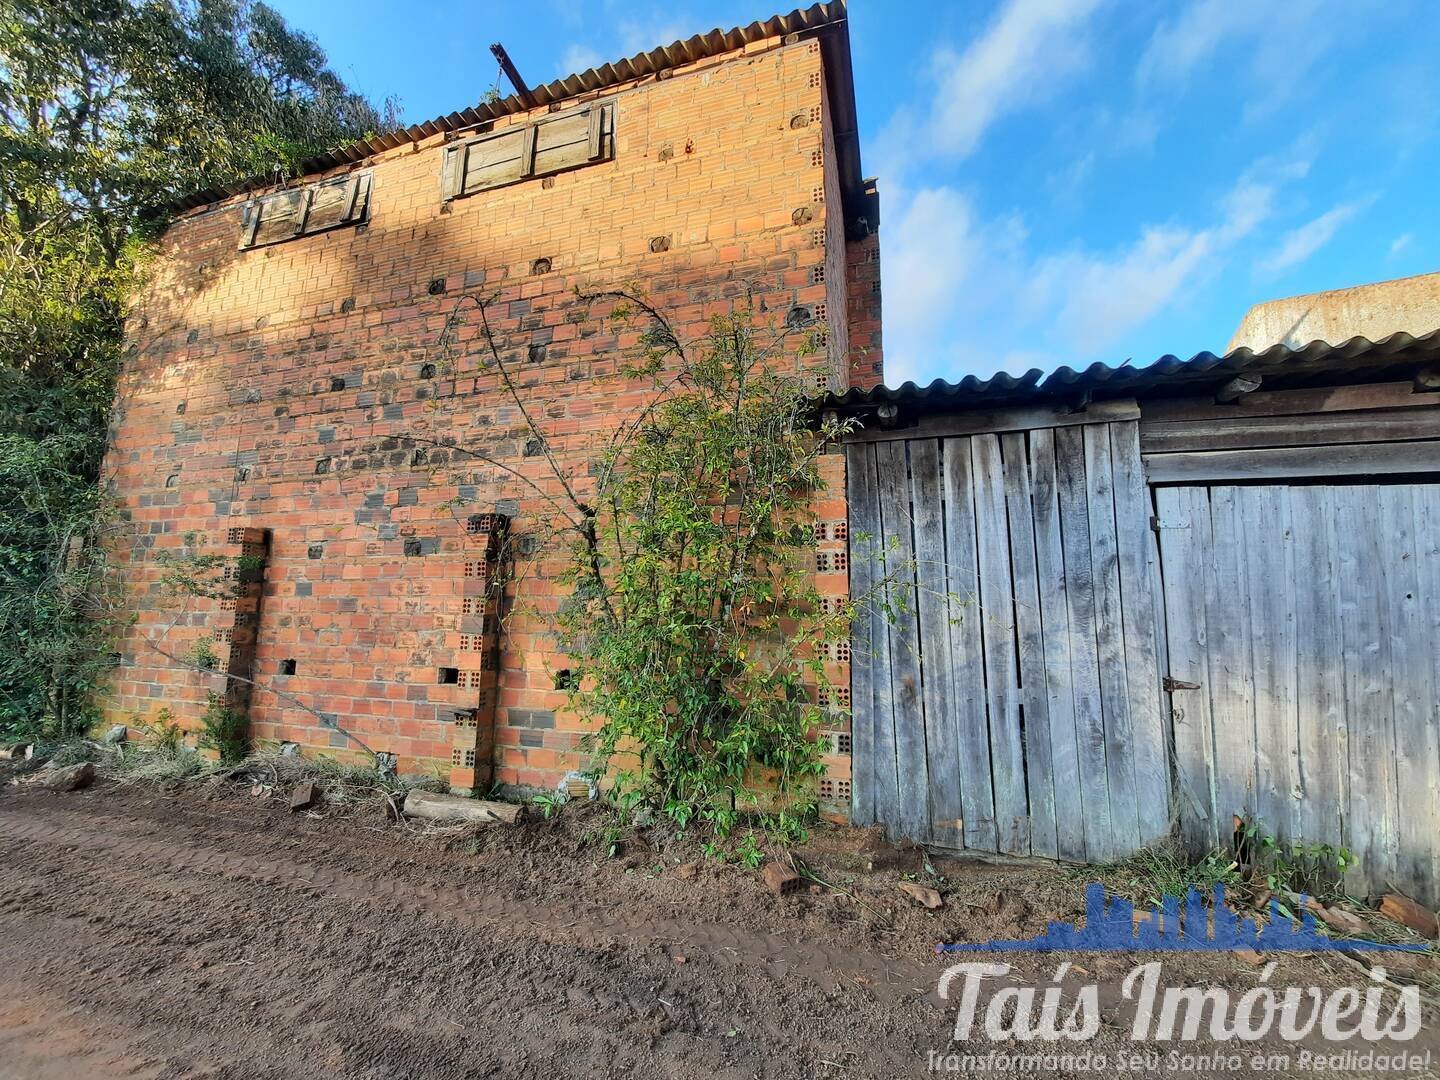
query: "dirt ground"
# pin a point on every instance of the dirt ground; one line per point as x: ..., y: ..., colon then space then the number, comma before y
x: 209, y: 932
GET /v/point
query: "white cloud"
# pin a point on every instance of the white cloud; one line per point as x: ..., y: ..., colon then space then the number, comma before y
x: 1179, y: 47
x: 967, y: 295
x: 1399, y: 244
x: 637, y: 36
x: 577, y: 58
x: 1276, y: 41
x: 1024, y: 55
x: 1096, y: 299
x: 935, y: 253
x: 1300, y: 243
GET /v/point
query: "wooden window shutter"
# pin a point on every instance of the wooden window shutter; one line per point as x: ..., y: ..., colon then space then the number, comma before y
x: 281, y: 216
x: 596, y: 136
x: 552, y: 145
x: 249, y: 222
x: 577, y: 138
x: 495, y: 159
x: 359, y: 209
x: 329, y: 204
x: 452, y: 172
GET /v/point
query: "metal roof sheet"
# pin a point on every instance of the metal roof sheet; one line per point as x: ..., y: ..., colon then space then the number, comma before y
x: 1169, y: 372
x: 664, y: 58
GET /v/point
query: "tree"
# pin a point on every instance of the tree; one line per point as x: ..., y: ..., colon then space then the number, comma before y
x: 693, y: 628
x: 109, y: 111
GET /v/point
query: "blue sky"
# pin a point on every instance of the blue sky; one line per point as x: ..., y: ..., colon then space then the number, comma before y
x: 1061, y: 181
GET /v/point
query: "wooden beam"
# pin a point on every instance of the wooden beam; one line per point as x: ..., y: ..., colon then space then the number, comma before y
x: 1384, y: 395
x: 1320, y: 429
x: 508, y: 66
x: 434, y: 807
x: 989, y: 421
x: 1237, y: 388
x: 1357, y: 459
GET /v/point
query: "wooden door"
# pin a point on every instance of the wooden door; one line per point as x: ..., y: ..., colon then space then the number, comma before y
x: 1307, y: 620
x: 1005, y: 686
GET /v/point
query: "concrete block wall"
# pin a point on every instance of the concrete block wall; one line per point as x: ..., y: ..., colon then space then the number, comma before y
x: 336, y: 390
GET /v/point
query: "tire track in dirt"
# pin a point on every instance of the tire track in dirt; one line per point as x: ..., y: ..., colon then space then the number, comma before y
x: 889, y: 979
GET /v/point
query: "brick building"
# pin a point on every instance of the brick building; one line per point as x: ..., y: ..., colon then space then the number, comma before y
x: 305, y: 383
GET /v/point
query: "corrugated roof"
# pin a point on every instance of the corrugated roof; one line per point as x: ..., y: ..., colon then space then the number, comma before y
x: 1169, y: 372
x: 664, y: 58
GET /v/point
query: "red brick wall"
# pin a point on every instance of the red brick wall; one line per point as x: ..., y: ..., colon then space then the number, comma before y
x: 862, y: 282
x: 227, y: 416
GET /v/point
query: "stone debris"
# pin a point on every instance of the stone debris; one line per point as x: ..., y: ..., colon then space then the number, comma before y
x: 304, y: 795
x: 71, y: 777
x: 923, y: 895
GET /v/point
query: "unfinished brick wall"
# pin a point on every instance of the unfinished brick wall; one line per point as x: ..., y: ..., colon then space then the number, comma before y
x: 302, y: 388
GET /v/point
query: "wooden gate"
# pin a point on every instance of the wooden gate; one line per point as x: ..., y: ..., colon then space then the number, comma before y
x: 1006, y: 693
x: 1305, y: 619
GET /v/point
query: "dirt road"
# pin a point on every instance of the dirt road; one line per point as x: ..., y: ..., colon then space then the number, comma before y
x: 144, y: 936
x: 153, y: 935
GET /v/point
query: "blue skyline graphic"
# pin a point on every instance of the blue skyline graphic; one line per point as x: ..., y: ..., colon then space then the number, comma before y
x: 1177, y: 927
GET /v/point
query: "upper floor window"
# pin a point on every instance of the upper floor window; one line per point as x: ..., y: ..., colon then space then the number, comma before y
x: 560, y: 142
x: 329, y: 204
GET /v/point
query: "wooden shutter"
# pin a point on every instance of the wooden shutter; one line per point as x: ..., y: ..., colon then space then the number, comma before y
x: 577, y: 138
x: 494, y: 160
x: 452, y: 170
x: 553, y: 145
x: 344, y: 200
x: 280, y: 215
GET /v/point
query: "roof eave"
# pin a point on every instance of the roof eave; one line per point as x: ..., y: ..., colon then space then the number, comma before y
x: 1281, y: 365
x: 828, y: 20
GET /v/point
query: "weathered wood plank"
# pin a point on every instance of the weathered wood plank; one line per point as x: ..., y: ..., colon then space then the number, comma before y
x: 1427, y: 532
x: 966, y: 646
x: 866, y: 709
x: 1231, y: 466
x: 1068, y: 783
x: 1319, y: 668
x: 1398, y: 394
x: 913, y: 820
x: 938, y: 698
x: 1231, y: 680
x: 1110, y: 640
x: 1002, y: 691
x: 1137, y: 607
x: 1100, y: 843
x: 1417, y: 746
x: 1034, y: 693
x: 1376, y: 425
x: 1184, y: 513
x: 994, y: 421
x: 1264, y: 511
x: 1367, y: 690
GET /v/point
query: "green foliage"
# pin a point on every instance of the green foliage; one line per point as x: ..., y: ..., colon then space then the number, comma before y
x: 693, y: 622
x: 225, y: 730
x: 1310, y: 869
x: 110, y: 110
x: 609, y: 838
x: 1162, y: 870
x: 748, y: 851
x: 549, y: 804
x: 164, y: 733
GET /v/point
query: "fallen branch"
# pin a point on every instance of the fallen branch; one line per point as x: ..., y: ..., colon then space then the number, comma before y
x: 433, y: 807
